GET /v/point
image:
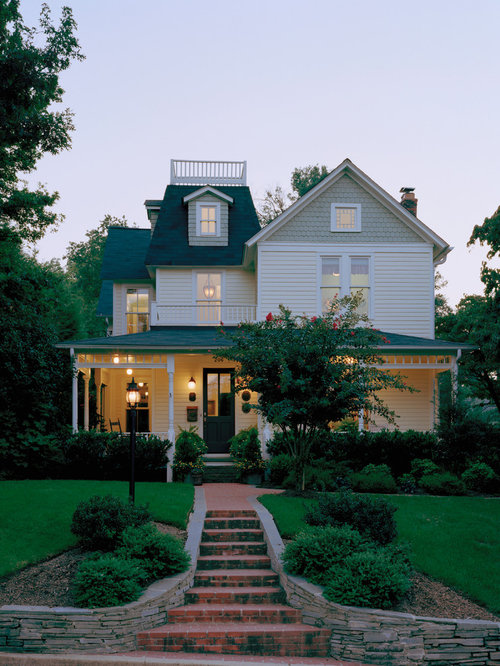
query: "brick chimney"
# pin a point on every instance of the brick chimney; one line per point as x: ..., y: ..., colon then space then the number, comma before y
x: 408, y: 200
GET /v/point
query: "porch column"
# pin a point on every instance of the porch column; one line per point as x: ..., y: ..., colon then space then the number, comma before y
x: 74, y: 393
x: 86, y: 379
x: 171, y: 429
x: 454, y: 375
x: 267, y: 434
x: 361, y: 420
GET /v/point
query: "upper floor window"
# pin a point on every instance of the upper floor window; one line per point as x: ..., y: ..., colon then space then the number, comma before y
x: 208, y: 219
x: 208, y: 297
x: 137, y: 310
x: 346, y: 217
x: 343, y: 275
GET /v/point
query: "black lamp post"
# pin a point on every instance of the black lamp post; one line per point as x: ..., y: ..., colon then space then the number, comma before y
x: 133, y: 399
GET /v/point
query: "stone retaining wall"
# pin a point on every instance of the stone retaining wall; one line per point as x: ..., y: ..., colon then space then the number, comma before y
x: 384, y: 637
x: 98, y: 630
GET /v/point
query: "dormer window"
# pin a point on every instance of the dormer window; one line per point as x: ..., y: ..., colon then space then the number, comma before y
x: 346, y: 217
x: 207, y: 219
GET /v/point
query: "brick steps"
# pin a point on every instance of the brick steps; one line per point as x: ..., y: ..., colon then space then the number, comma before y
x: 236, y: 605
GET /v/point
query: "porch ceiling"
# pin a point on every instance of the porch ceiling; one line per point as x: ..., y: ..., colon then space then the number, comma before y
x: 206, y: 338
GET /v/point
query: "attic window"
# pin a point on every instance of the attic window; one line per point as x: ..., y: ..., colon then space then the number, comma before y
x: 346, y: 217
x: 208, y: 219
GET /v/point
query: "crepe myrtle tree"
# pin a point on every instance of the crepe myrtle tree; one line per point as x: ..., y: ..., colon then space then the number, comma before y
x: 310, y: 372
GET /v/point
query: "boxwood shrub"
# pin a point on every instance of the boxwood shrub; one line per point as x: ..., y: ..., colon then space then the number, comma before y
x: 106, y: 580
x: 374, y: 479
x: 442, y: 483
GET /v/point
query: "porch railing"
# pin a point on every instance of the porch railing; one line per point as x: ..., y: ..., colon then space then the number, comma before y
x: 201, y: 315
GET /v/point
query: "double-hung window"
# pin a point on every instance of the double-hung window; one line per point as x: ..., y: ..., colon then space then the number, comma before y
x: 345, y: 275
x: 208, y: 219
x: 137, y: 310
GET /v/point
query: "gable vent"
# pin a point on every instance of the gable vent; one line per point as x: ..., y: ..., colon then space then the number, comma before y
x: 197, y: 172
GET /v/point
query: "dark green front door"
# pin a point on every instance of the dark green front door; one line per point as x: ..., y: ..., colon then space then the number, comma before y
x: 218, y: 409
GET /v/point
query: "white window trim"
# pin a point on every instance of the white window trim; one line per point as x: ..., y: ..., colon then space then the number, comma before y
x: 211, y: 271
x: 124, y: 302
x: 214, y: 204
x: 333, y: 218
x: 345, y: 273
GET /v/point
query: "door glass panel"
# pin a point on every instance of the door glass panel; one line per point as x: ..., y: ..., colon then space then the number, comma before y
x: 225, y: 394
x: 212, y: 394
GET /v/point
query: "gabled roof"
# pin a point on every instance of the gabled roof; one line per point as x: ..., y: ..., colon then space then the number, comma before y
x: 208, y: 189
x: 169, y: 243
x: 124, y: 254
x: 441, y: 248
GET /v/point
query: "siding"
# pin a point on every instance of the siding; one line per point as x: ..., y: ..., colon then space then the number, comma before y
x: 403, y: 293
x: 288, y: 278
x: 415, y: 411
x: 174, y: 287
x: 312, y: 224
x: 240, y: 287
x: 118, y: 314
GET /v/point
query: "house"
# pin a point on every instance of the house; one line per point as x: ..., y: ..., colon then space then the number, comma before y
x: 205, y: 259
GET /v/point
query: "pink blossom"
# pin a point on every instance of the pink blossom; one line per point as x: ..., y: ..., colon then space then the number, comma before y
x: 269, y: 317
x: 352, y: 332
x: 313, y: 319
x: 335, y: 325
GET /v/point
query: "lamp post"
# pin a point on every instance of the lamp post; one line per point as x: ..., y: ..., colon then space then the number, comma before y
x: 133, y: 399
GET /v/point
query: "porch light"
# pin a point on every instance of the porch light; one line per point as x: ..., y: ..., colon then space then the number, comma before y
x: 133, y: 394
x: 209, y: 291
x: 116, y: 358
x: 191, y: 384
x: 129, y: 371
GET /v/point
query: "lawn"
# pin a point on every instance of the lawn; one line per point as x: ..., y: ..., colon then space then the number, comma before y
x: 35, y: 516
x: 454, y: 539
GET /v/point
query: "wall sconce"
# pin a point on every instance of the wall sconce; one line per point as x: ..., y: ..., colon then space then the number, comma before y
x: 129, y: 371
x: 191, y: 387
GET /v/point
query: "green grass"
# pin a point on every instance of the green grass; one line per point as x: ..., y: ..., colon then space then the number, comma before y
x: 35, y: 516
x: 454, y: 539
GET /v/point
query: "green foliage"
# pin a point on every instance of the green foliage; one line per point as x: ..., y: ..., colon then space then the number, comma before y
x: 31, y: 62
x: 489, y: 234
x: 32, y: 455
x: 106, y: 581
x: 372, y: 579
x: 313, y: 552
x: 442, y: 483
x: 315, y: 477
x: 189, y: 451
x: 99, y: 521
x: 287, y: 360
x: 279, y: 468
x: 423, y: 466
x: 151, y: 457
x: 371, y: 516
x: 480, y: 478
x: 407, y: 484
x: 245, y: 449
x: 374, y: 479
x: 304, y: 178
x: 160, y: 554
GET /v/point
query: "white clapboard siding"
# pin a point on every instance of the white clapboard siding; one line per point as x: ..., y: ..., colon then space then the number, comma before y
x: 159, y: 421
x: 118, y: 314
x: 240, y: 287
x: 415, y: 411
x: 174, y: 287
x: 403, y: 293
x: 288, y: 278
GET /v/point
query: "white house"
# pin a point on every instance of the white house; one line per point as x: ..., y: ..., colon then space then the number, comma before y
x: 205, y: 259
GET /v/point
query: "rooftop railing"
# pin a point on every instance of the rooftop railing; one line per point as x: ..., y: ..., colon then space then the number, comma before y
x: 199, y: 172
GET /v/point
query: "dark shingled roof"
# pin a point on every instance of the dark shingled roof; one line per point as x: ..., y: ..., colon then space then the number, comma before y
x: 169, y: 244
x: 205, y: 338
x: 124, y: 254
x: 105, y: 304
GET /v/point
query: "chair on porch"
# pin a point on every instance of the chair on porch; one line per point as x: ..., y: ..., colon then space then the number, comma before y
x: 115, y: 424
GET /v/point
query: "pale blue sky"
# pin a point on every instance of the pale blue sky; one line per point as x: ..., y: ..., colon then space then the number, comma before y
x: 409, y: 91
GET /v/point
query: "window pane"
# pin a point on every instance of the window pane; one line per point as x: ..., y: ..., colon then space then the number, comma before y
x: 330, y: 272
x: 363, y: 306
x: 208, y: 220
x: 142, y: 301
x: 360, y: 272
x: 328, y: 294
x: 208, y: 286
x: 212, y: 395
x: 346, y: 218
x: 225, y: 395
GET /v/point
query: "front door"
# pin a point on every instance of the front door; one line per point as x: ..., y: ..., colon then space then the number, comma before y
x: 218, y: 409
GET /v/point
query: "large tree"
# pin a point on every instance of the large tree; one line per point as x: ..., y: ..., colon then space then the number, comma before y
x: 277, y: 201
x: 31, y: 61
x: 488, y: 233
x: 311, y: 371
x: 84, y: 263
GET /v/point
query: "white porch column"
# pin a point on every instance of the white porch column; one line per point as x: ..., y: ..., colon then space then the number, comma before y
x: 454, y: 375
x: 86, y: 380
x: 74, y: 393
x: 171, y: 428
x: 267, y: 434
x: 361, y: 420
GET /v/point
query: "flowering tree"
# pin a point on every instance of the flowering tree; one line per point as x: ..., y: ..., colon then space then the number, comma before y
x: 310, y: 372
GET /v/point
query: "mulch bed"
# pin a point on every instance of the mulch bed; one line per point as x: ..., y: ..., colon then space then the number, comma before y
x: 50, y: 583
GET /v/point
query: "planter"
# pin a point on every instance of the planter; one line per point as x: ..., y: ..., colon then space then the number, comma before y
x: 197, y: 478
x: 253, y: 479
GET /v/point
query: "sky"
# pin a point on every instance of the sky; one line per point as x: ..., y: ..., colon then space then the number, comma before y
x: 409, y: 91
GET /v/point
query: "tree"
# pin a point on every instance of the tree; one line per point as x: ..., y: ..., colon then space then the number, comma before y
x: 310, y: 372
x: 84, y: 263
x: 441, y: 306
x: 277, y: 201
x: 30, y: 63
x: 489, y: 234
x: 304, y: 178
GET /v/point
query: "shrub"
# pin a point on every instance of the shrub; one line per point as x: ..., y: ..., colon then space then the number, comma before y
x: 31, y: 455
x: 480, y: 478
x: 313, y: 552
x: 371, y: 516
x: 279, y: 467
x: 246, y: 452
x: 85, y: 454
x: 108, y: 581
x: 422, y: 467
x: 160, y: 554
x: 442, y: 483
x: 407, y: 484
x: 374, y: 579
x: 374, y: 479
x: 189, y: 451
x: 315, y: 478
x: 99, y: 521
